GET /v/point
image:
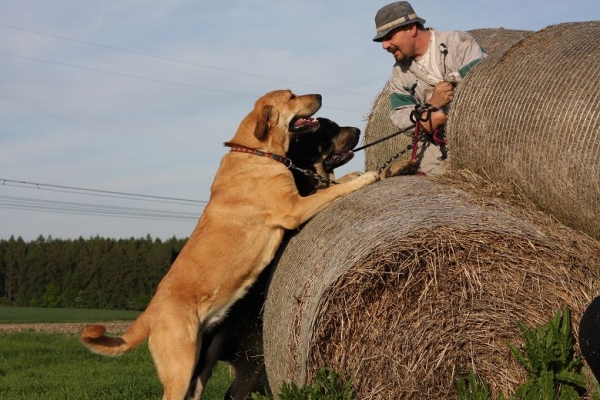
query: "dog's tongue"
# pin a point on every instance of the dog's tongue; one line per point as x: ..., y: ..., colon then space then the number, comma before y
x: 299, y: 122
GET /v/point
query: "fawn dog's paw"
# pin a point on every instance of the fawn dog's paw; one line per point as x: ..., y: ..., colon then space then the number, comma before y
x: 369, y: 177
x: 404, y: 167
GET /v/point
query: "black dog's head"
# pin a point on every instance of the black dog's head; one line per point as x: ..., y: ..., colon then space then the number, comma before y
x: 322, y: 151
x: 330, y: 145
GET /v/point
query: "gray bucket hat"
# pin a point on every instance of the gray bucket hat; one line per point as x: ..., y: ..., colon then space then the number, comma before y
x: 393, y: 16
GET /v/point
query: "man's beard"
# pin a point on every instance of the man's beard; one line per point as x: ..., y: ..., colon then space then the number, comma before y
x: 395, y: 51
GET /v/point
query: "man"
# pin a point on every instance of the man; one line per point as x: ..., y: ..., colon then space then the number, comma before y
x: 428, y: 66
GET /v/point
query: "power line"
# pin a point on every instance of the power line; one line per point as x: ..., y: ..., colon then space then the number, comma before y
x: 68, y: 207
x: 78, y: 208
x: 178, y: 61
x: 98, y: 192
x: 146, y: 79
x: 121, y: 74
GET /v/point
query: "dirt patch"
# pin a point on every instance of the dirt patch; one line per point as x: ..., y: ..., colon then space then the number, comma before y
x: 117, y: 326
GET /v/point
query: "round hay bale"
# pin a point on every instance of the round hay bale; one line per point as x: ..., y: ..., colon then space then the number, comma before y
x: 407, y: 284
x: 530, y: 117
x: 379, y: 125
x: 496, y: 41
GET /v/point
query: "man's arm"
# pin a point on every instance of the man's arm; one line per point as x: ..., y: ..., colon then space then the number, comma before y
x: 402, y: 98
x: 403, y: 104
x: 463, y: 54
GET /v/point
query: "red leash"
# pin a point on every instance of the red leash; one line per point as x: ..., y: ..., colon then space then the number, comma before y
x: 415, y: 146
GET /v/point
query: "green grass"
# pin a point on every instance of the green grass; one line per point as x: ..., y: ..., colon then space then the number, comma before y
x: 18, y: 315
x: 52, y: 366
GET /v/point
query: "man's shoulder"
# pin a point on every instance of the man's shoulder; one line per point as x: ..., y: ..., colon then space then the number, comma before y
x: 457, y: 36
x: 450, y: 37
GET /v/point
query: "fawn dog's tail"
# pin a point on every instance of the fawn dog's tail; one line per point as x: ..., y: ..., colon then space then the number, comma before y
x: 92, y: 336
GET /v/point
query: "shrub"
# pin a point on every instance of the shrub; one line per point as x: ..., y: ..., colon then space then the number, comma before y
x: 547, y: 355
x: 328, y: 385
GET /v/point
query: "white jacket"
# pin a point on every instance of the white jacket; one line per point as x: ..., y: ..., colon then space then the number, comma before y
x: 457, y: 52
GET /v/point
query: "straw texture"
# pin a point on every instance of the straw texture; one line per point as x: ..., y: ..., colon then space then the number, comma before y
x: 409, y: 283
x: 530, y: 117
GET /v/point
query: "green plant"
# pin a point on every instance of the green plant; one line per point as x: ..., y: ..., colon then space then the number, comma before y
x: 473, y: 389
x: 328, y: 385
x: 595, y: 391
x: 547, y: 355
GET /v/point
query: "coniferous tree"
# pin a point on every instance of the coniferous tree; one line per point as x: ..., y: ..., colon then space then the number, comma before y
x: 84, y: 273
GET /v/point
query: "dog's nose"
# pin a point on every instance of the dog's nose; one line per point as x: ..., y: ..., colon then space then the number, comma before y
x: 319, y: 97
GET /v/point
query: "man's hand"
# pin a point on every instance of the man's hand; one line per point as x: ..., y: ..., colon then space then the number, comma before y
x: 442, y: 94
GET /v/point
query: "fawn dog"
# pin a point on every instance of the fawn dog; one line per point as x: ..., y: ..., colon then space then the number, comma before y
x: 238, y: 339
x: 253, y: 201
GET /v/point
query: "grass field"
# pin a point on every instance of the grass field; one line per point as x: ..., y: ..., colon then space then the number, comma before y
x: 17, y: 315
x: 54, y: 366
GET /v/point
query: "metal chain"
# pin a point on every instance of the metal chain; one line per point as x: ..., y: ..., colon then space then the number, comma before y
x: 388, y: 162
x: 310, y: 173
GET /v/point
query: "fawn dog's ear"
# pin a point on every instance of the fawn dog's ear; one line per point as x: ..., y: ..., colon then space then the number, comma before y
x: 263, y: 120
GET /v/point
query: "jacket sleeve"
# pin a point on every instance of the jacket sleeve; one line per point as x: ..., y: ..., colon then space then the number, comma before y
x: 402, y: 99
x: 463, y: 53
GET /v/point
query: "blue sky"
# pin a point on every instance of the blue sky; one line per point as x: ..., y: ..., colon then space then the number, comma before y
x: 138, y: 96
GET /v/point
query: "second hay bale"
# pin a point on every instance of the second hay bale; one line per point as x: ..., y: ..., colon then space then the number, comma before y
x: 531, y: 117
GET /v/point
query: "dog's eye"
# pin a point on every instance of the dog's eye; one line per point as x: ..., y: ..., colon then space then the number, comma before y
x: 292, y: 97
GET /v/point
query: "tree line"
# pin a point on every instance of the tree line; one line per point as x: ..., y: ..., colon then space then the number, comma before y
x: 97, y: 272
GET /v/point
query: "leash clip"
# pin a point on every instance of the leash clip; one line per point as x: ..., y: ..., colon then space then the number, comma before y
x: 417, y: 114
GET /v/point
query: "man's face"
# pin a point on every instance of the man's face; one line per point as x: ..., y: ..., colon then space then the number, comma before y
x: 400, y: 43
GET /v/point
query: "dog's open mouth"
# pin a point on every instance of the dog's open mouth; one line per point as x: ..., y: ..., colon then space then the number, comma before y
x: 337, y: 160
x: 304, y: 124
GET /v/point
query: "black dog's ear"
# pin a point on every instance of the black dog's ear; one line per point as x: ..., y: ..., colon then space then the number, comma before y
x: 262, y: 122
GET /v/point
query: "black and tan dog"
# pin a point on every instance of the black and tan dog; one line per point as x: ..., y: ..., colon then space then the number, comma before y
x: 237, y: 339
x: 321, y: 153
x: 332, y: 148
x: 253, y: 201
